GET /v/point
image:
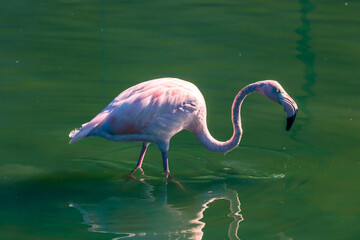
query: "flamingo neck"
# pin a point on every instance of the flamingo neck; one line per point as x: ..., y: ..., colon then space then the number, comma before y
x: 214, y: 145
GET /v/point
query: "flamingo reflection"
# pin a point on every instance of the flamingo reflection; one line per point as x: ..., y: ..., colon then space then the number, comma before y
x: 152, y: 217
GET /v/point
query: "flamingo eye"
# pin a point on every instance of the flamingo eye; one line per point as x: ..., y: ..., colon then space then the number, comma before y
x: 277, y: 90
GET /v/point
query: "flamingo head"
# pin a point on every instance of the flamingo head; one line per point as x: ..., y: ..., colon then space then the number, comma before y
x: 275, y: 92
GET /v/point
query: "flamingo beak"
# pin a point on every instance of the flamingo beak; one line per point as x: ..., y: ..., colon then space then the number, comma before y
x: 290, y: 121
x: 290, y: 108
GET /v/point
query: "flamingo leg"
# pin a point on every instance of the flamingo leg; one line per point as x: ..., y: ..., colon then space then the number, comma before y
x: 168, y: 176
x: 141, y: 158
x: 165, y: 164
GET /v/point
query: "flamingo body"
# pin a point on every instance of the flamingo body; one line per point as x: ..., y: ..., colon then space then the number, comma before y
x: 155, y: 110
x: 152, y: 111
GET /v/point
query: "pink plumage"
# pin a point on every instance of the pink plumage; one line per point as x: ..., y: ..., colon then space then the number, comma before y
x: 155, y: 110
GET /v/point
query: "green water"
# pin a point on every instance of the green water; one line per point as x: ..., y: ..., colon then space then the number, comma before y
x: 63, y: 61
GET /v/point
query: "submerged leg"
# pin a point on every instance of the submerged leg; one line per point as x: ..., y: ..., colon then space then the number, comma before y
x: 167, y: 171
x: 141, y: 158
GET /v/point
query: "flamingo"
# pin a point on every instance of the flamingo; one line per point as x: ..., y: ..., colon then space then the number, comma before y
x: 153, y: 111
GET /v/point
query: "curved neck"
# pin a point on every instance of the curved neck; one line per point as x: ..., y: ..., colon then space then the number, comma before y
x: 214, y: 145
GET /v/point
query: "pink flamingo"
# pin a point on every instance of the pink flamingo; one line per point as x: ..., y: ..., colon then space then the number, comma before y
x: 155, y: 110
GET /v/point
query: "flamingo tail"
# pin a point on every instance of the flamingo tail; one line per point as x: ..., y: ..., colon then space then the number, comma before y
x: 86, y: 128
x: 83, y: 132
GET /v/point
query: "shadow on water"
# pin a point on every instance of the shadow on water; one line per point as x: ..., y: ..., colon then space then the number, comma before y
x: 103, y: 60
x: 134, y: 216
x: 308, y: 58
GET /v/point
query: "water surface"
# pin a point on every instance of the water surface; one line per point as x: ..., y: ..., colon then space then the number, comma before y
x: 63, y: 61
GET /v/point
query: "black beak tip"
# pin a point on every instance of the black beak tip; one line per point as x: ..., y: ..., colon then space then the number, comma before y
x: 290, y: 121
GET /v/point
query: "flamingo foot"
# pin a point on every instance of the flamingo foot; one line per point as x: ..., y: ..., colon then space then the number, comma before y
x: 136, y: 168
x: 171, y: 179
x: 131, y: 174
